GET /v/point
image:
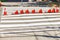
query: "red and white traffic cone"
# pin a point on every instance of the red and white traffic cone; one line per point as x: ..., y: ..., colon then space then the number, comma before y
x: 49, y: 11
x: 16, y: 12
x: 27, y: 11
x: 53, y: 10
x: 21, y: 12
x: 40, y: 11
x: 57, y: 10
x: 5, y: 13
x: 33, y: 11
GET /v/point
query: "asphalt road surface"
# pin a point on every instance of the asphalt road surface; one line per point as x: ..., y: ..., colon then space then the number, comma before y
x: 30, y: 27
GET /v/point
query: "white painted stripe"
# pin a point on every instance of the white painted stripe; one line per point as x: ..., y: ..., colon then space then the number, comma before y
x: 32, y: 24
x: 26, y: 17
x: 31, y: 20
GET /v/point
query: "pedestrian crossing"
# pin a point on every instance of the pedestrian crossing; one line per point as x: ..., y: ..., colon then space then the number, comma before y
x: 35, y: 26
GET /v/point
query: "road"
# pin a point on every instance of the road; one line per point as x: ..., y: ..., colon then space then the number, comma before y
x: 30, y: 27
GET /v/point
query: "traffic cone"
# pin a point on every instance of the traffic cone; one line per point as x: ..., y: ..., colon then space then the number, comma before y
x: 53, y: 10
x: 21, y: 12
x: 57, y: 10
x: 5, y: 13
x: 49, y: 11
x: 33, y: 11
x: 40, y: 11
x: 16, y: 12
x: 27, y: 11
